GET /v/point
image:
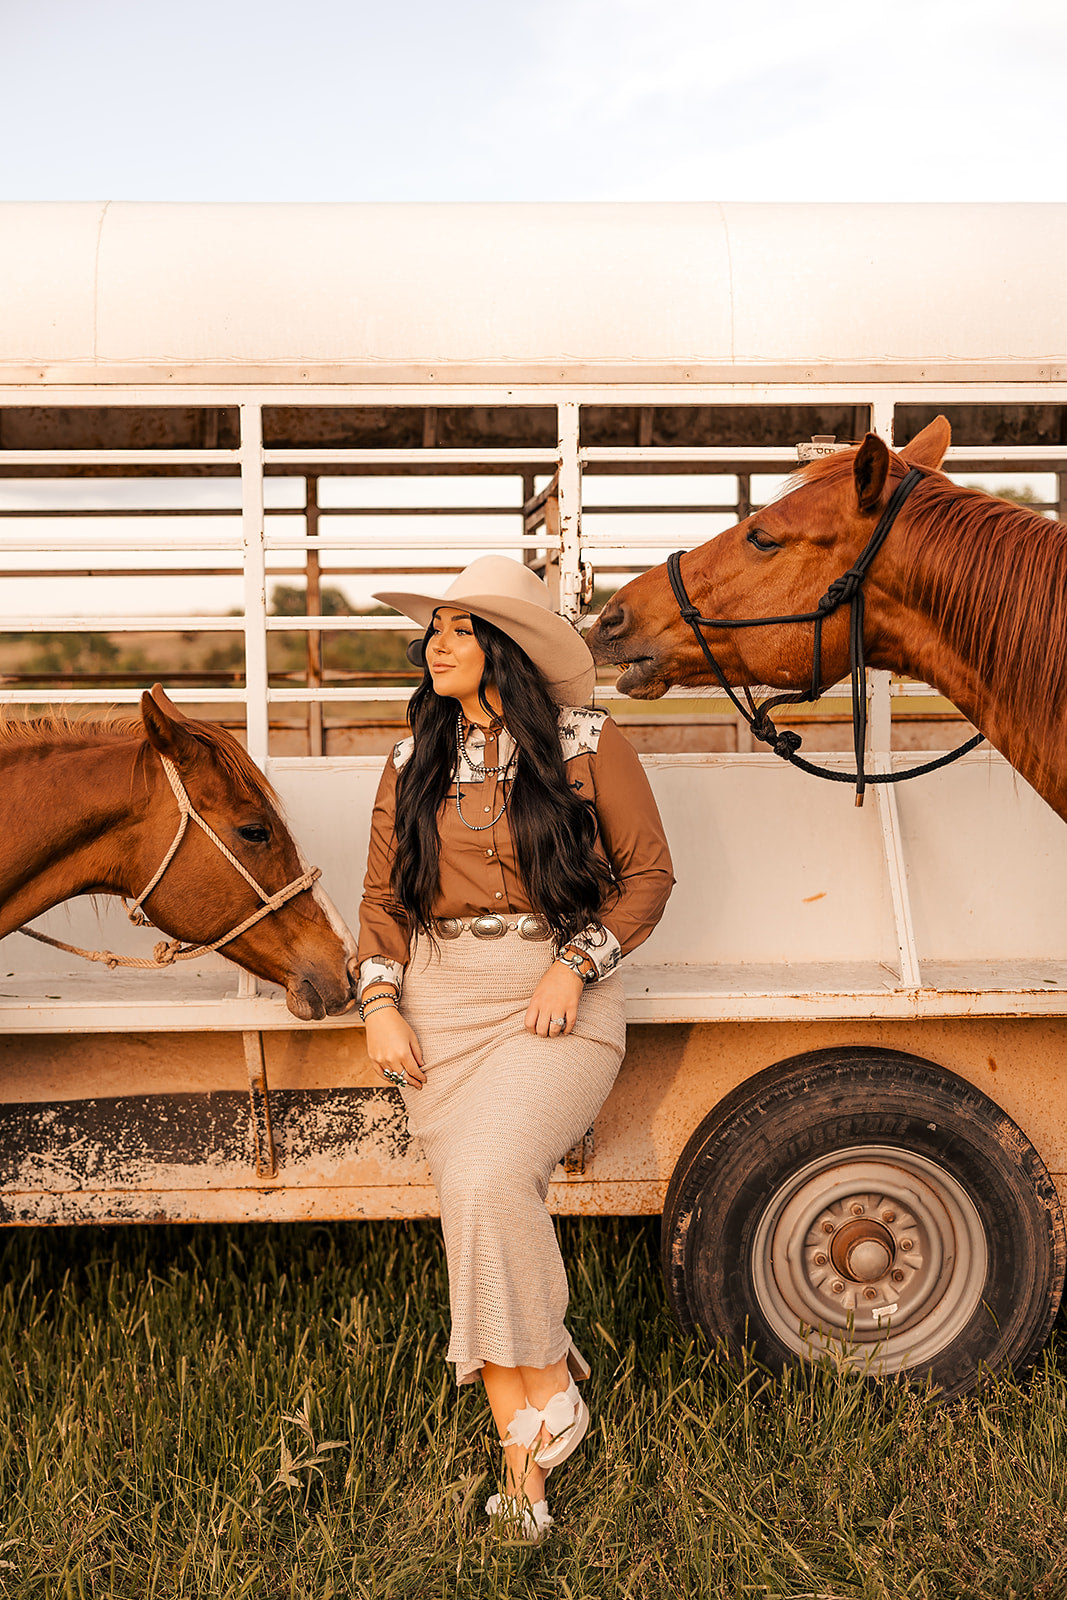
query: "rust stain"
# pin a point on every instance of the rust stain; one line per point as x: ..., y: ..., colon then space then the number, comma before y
x: 187, y: 1141
x: 809, y: 898
x: 992, y: 1063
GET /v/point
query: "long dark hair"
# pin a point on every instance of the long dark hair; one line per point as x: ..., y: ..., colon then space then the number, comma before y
x: 553, y: 828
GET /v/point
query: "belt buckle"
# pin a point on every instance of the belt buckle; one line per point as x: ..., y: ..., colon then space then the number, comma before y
x: 449, y: 927
x: 532, y: 927
x: 488, y: 926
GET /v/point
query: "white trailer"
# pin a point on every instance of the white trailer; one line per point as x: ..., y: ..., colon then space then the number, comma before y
x: 843, y: 1076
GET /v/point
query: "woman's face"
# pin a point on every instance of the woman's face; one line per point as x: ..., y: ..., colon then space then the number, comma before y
x: 456, y: 660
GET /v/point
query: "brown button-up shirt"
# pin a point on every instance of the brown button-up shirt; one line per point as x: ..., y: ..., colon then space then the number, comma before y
x: 479, y: 871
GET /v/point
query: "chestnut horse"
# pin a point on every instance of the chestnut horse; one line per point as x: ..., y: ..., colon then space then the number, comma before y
x: 968, y: 593
x: 95, y: 807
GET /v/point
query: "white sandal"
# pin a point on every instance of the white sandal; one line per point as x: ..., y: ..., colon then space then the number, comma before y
x: 566, y: 1416
x: 516, y: 1515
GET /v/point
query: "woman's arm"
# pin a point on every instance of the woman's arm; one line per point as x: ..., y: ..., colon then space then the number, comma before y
x: 633, y: 838
x: 384, y: 947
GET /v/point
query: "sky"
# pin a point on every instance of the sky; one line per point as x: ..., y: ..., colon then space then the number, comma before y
x: 539, y: 100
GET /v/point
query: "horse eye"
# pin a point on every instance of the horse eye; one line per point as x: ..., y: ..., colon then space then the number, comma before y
x: 761, y: 541
x: 255, y: 834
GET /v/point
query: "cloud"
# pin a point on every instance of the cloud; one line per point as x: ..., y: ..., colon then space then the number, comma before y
x: 922, y: 99
x: 547, y: 99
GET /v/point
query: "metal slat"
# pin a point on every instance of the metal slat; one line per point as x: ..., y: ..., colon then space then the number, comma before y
x: 119, y: 541
x: 769, y: 458
x: 312, y: 457
x: 255, y: 585
x: 399, y: 541
x: 64, y: 624
x: 119, y: 697
x: 357, y: 624
x: 119, y: 458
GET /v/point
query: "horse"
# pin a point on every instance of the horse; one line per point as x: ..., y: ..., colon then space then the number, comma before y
x: 103, y: 807
x: 968, y: 593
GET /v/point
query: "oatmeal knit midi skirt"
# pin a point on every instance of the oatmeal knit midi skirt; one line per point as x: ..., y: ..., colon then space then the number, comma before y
x: 500, y: 1108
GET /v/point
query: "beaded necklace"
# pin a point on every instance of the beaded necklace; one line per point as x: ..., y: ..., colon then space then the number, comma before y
x: 480, y: 771
x: 479, y: 768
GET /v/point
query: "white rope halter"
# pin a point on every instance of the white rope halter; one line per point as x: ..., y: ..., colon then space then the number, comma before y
x: 170, y: 950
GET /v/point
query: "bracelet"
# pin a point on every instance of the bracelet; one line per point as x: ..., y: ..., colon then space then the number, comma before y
x: 367, y: 1008
x: 576, y: 962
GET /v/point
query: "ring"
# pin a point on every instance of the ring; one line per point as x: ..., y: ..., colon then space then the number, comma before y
x: 399, y: 1078
x: 557, y: 1022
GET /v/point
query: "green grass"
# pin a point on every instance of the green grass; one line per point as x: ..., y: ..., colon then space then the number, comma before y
x: 265, y: 1412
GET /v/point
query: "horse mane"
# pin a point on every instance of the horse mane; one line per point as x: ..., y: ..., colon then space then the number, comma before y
x: 994, y: 576
x: 58, y: 729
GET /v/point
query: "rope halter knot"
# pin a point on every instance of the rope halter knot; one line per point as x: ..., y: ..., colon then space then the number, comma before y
x: 840, y: 592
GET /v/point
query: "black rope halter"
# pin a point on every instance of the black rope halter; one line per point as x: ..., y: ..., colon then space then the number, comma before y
x: 845, y: 590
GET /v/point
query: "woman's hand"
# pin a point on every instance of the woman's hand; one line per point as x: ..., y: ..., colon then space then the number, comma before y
x: 556, y: 996
x: 392, y: 1043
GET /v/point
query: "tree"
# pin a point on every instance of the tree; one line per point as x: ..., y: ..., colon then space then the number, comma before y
x: 289, y: 601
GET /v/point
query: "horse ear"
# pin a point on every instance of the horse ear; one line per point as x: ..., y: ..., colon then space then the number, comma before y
x: 869, y: 471
x: 165, y: 703
x: 927, y: 449
x: 165, y: 726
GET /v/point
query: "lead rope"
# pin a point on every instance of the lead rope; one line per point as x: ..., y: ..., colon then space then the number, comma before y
x: 167, y: 951
x: 845, y: 590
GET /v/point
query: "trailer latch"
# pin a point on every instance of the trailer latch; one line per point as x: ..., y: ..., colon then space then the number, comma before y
x: 575, y: 1160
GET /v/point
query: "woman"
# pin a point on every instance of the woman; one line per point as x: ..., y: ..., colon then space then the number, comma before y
x: 516, y: 854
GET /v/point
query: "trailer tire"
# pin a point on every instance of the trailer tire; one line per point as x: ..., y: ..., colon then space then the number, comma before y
x: 868, y: 1204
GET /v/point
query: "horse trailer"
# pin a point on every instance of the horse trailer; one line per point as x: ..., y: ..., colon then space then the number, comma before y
x: 223, y: 426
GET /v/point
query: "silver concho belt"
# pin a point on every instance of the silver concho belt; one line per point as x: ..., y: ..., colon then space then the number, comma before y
x: 490, y: 925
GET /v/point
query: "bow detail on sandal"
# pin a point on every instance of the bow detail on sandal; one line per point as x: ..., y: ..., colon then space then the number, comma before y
x: 517, y: 1517
x: 565, y: 1417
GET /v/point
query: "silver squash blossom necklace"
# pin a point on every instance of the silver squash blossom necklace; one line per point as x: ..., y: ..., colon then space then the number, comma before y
x: 481, y: 772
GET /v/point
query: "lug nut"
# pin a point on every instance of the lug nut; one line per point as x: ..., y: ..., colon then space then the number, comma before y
x: 870, y: 1294
x: 857, y: 1210
x: 898, y: 1276
x: 820, y: 1260
x: 889, y: 1216
x: 837, y: 1286
x: 907, y: 1244
x: 827, y: 1227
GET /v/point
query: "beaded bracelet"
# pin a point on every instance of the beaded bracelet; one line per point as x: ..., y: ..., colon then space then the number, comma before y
x: 366, y: 1008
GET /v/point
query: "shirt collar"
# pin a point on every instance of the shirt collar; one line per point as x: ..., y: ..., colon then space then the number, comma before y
x: 478, y: 729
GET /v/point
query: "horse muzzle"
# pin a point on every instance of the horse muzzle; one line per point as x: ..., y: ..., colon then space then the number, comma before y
x: 615, y: 642
x: 312, y: 1000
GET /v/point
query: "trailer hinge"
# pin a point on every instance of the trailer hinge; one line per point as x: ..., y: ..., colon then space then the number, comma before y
x: 822, y: 444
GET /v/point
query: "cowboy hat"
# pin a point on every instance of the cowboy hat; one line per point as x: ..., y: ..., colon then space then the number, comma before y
x: 513, y: 599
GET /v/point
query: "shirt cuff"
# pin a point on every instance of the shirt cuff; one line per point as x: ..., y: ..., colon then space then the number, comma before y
x: 602, y: 948
x: 379, y: 969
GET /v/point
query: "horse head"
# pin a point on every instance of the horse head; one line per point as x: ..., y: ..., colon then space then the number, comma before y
x: 303, y: 945
x: 776, y: 563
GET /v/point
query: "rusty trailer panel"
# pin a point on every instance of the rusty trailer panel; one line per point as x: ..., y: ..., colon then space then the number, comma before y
x: 171, y: 1136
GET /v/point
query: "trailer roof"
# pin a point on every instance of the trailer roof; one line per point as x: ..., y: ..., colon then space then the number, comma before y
x: 395, y: 293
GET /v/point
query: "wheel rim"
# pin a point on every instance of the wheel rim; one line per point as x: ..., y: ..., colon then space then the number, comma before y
x: 878, y: 1256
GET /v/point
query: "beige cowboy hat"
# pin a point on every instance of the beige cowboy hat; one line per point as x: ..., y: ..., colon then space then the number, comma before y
x: 514, y: 599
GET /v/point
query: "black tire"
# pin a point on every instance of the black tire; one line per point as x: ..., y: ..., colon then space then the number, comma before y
x: 869, y: 1202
